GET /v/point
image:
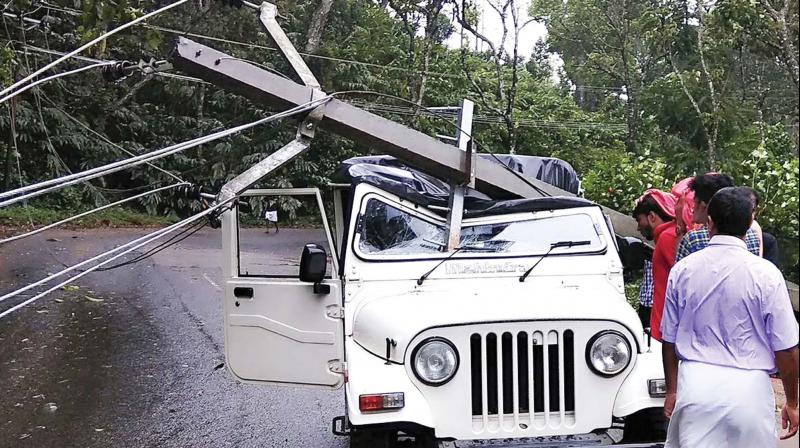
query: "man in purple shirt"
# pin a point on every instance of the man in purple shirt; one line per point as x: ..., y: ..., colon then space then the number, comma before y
x: 727, y: 325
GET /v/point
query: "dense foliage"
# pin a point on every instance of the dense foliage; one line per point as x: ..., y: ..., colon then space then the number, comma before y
x: 649, y: 92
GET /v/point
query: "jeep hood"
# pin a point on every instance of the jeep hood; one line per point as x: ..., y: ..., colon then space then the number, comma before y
x: 401, y: 317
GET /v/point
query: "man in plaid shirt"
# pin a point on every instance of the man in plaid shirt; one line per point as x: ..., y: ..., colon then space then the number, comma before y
x: 704, y: 187
x: 646, y: 294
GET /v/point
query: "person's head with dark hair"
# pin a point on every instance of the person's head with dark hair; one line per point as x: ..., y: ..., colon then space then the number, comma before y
x: 654, y: 208
x: 704, y: 187
x: 730, y: 212
x: 754, y: 197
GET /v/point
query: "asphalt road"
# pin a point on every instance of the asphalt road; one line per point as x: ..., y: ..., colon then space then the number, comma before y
x: 132, y: 356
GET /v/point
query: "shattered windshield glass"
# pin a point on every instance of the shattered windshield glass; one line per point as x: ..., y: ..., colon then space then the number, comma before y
x: 387, y: 230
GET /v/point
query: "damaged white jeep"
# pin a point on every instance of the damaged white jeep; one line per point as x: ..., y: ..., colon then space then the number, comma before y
x: 520, y: 336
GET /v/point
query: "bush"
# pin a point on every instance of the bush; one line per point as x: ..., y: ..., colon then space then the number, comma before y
x: 620, y: 178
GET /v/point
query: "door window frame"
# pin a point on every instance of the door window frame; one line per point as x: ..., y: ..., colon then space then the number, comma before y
x: 311, y: 191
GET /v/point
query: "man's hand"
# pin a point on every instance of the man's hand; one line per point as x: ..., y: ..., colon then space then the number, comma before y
x: 787, y: 362
x: 789, y: 420
x: 669, y: 405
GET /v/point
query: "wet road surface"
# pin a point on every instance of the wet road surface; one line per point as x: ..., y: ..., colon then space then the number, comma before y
x: 132, y: 357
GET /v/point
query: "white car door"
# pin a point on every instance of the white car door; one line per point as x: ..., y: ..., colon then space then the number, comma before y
x: 278, y: 329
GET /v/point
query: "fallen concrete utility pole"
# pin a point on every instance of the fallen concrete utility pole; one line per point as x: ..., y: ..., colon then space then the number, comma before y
x: 413, y: 147
x: 451, y: 163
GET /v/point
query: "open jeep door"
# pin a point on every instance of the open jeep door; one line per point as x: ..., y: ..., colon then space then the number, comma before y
x: 279, y: 329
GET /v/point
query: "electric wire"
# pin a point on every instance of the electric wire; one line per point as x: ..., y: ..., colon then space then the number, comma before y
x: 85, y: 59
x: 128, y: 248
x: 105, y: 139
x: 65, y: 181
x: 92, y: 42
x: 56, y: 76
x: 177, y: 238
x: 76, y: 12
x: 88, y: 212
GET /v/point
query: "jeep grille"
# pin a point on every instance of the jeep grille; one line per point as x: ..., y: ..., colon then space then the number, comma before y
x: 513, y: 373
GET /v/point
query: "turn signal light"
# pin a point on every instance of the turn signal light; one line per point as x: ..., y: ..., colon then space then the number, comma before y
x: 381, y: 402
x: 657, y: 388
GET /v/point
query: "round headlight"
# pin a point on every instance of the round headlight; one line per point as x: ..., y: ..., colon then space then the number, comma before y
x: 608, y: 353
x: 435, y: 361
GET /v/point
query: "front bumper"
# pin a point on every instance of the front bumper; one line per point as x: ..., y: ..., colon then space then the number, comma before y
x: 581, y: 440
x: 472, y: 407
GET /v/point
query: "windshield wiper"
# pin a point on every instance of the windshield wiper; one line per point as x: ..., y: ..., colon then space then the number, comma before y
x: 553, y: 246
x: 457, y: 250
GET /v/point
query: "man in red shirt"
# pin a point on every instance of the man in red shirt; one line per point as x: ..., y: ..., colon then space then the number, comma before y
x: 655, y: 216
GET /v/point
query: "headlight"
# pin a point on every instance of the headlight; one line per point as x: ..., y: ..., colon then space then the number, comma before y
x: 608, y: 353
x: 435, y: 361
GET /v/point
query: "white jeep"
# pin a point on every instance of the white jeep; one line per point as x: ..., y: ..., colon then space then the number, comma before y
x: 521, y: 336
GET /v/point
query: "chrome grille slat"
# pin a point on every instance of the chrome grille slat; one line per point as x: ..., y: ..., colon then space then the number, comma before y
x: 515, y: 378
x: 484, y: 382
x: 500, y: 385
x: 531, y: 413
x: 561, y: 384
x: 546, y: 377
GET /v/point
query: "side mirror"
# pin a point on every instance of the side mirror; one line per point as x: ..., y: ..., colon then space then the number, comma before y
x: 633, y: 253
x: 313, y: 264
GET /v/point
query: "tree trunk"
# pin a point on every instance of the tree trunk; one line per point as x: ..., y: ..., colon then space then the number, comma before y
x: 201, y: 99
x: 317, y: 25
x: 11, y: 150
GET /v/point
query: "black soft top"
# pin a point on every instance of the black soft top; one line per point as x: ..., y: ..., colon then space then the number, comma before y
x: 392, y: 175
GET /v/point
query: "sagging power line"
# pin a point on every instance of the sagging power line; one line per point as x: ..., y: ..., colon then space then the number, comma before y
x: 128, y: 248
x: 30, y: 191
x: 89, y: 44
x: 89, y: 212
x: 56, y: 76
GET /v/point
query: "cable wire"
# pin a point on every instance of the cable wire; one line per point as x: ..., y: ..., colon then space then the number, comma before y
x: 65, y: 181
x: 308, y: 55
x: 89, y: 212
x: 80, y: 49
x: 128, y: 248
x: 105, y: 139
x: 56, y: 76
x: 177, y: 238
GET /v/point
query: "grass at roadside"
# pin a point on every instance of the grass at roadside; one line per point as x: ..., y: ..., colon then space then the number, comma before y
x: 19, y: 216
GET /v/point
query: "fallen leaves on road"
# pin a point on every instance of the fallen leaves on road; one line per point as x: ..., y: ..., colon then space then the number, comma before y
x: 94, y: 299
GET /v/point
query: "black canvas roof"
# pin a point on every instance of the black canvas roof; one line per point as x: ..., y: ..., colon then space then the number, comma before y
x: 392, y: 175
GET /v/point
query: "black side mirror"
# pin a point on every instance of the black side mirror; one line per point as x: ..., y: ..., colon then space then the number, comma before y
x: 313, y: 264
x: 633, y: 253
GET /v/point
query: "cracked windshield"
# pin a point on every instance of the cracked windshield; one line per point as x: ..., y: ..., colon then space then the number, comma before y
x: 387, y: 230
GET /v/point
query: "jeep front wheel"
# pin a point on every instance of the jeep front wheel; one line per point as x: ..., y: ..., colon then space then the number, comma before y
x: 647, y: 425
x: 372, y: 438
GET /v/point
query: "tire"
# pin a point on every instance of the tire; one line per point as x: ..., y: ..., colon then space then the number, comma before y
x: 372, y: 438
x: 647, y: 425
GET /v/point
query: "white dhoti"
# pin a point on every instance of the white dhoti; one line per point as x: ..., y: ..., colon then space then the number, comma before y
x: 722, y: 407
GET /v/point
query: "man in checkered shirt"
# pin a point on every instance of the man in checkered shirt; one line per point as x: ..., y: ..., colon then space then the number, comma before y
x: 704, y: 187
x: 646, y: 294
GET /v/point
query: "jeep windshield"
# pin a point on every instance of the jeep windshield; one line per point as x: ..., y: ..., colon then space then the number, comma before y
x: 387, y: 231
